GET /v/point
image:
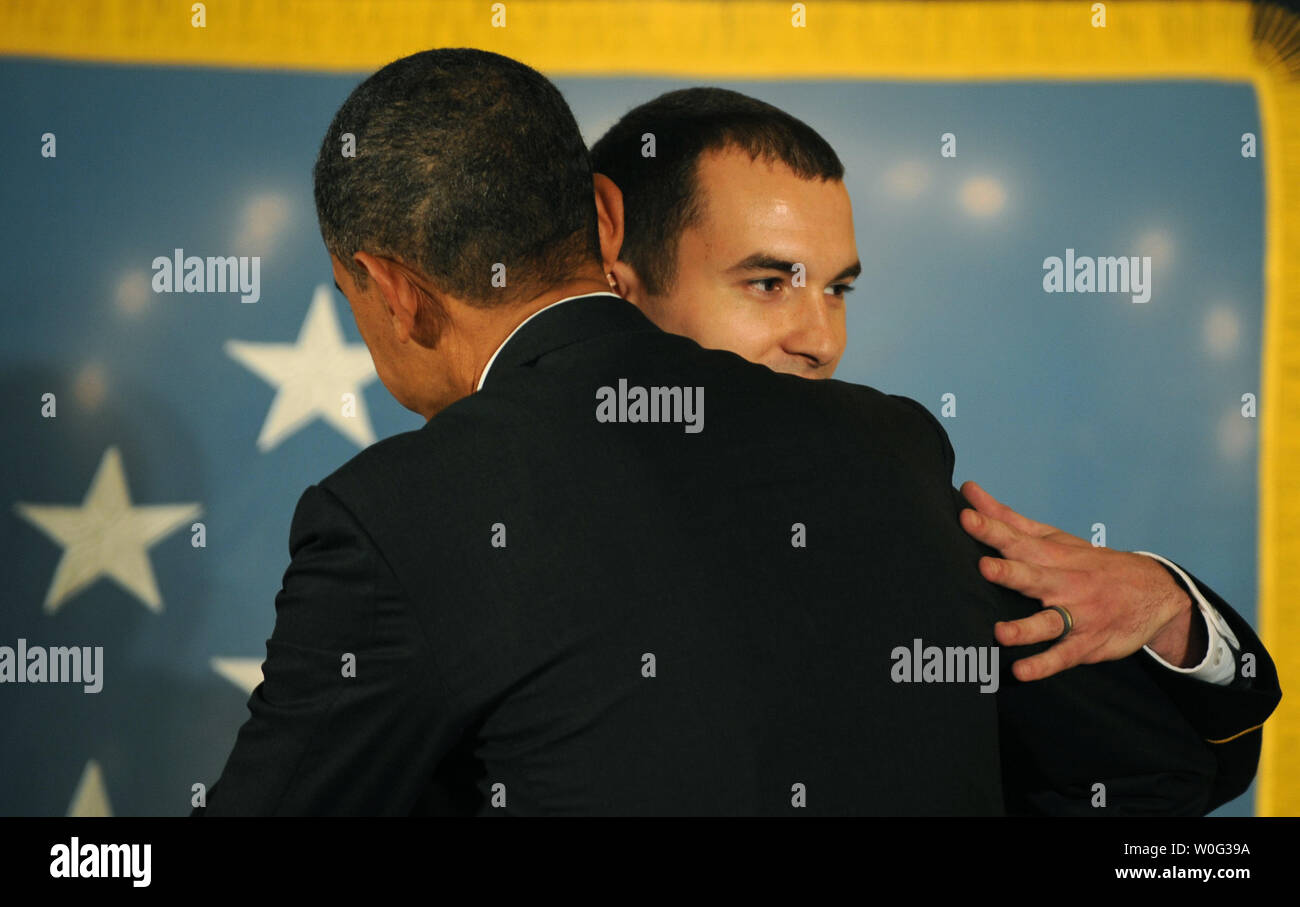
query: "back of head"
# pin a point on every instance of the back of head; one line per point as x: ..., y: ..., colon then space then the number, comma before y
x: 465, y: 161
x: 660, y: 191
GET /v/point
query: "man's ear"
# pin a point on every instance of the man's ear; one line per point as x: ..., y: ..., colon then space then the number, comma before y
x: 609, y: 215
x: 401, y: 297
x: 627, y: 283
x: 609, y: 210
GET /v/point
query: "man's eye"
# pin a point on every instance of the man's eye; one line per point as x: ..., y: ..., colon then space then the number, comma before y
x: 839, y: 289
x: 766, y: 284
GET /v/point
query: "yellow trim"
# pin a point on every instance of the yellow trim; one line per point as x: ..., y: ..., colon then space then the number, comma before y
x: 1235, y: 736
x: 1278, y: 789
x: 703, y: 40
x: 737, y: 38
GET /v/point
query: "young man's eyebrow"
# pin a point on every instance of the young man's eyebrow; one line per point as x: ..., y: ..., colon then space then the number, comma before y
x: 763, y: 261
x: 852, y: 270
x: 339, y: 288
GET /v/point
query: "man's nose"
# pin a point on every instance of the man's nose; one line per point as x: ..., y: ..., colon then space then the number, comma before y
x: 812, y: 335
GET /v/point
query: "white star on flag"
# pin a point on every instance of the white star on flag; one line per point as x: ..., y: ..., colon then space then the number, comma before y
x: 106, y: 536
x: 311, y: 376
x: 91, y: 796
x: 245, y: 673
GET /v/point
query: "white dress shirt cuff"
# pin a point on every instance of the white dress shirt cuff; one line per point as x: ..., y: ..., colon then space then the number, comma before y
x: 1220, y: 662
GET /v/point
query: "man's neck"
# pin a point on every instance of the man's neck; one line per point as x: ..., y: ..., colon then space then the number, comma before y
x: 519, y: 313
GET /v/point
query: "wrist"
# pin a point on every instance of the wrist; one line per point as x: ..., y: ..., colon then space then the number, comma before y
x: 1182, y: 641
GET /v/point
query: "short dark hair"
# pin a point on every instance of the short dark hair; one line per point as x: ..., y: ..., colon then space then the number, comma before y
x: 661, y: 193
x: 464, y: 158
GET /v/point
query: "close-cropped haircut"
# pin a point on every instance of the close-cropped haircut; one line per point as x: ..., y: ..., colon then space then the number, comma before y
x: 464, y: 161
x: 661, y: 193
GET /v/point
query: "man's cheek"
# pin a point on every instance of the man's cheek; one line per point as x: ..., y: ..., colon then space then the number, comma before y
x: 758, y: 340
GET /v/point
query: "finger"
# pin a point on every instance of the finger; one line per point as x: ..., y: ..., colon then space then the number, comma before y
x: 991, y: 506
x: 1026, y: 578
x: 997, y: 534
x: 1044, y: 626
x: 1062, y: 656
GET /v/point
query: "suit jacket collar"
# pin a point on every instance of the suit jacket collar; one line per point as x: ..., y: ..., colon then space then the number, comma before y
x: 577, y: 319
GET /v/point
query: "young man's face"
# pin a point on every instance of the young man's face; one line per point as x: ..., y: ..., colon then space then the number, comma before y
x: 736, y: 286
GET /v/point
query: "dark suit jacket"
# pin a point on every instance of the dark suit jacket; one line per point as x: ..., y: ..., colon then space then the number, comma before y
x: 650, y: 641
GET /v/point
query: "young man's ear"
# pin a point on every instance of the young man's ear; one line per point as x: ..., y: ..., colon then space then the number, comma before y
x: 609, y: 215
x: 622, y: 277
x: 624, y: 281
